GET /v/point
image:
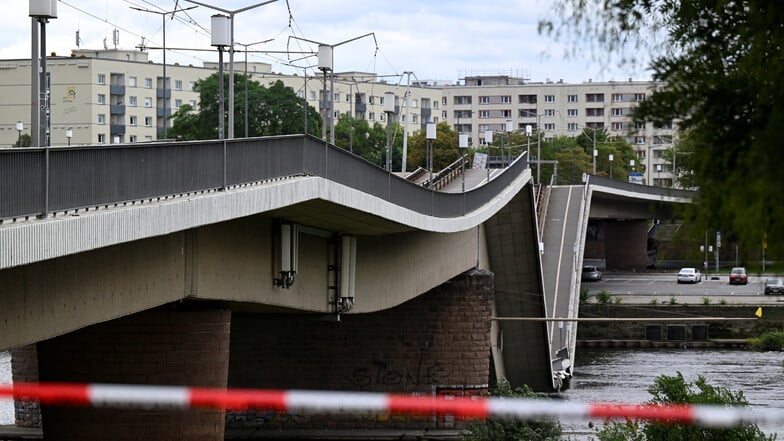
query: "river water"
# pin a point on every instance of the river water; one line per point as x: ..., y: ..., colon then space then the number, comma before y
x: 624, y: 375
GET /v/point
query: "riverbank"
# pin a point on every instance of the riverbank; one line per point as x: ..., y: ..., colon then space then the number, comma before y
x: 671, y: 332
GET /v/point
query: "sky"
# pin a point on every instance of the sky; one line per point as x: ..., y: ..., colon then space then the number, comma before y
x: 440, y: 41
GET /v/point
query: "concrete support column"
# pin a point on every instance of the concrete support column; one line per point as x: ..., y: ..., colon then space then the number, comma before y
x: 626, y: 244
x: 154, y: 347
x: 24, y: 369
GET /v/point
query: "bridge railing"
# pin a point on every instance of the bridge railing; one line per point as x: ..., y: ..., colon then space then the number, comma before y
x: 639, y: 188
x: 42, y: 181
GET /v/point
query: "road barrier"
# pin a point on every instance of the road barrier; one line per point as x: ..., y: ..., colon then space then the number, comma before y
x: 142, y: 396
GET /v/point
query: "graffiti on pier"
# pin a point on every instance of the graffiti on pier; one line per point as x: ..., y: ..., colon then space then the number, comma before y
x: 380, y: 373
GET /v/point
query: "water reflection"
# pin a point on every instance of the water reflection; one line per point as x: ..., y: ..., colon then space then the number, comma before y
x: 624, y: 375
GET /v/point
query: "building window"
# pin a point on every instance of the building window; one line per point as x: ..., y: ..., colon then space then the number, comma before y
x: 300, y: 94
x: 526, y: 99
x: 312, y: 95
x: 549, y: 112
x: 443, y: 101
x: 549, y: 98
x: 403, y: 118
x: 617, y: 126
x: 337, y: 97
x: 617, y: 111
x: 435, y: 104
x: 192, y: 103
x: 598, y: 111
x: 132, y: 138
x: 571, y: 98
x: 443, y: 114
x: 372, y: 116
x: 131, y: 81
x: 594, y: 97
x: 381, y: 117
x: 148, y: 137
x: 639, y: 140
x: 101, y: 138
x: 101, y: 118
x: 617, y: 97
x: 336, y: 114
x: 148, y: 121
x: 461, y: 100
x: 414, y: 103
x: 572, y: 127
x: 132, y: 101
x: 484, y: 114
x: 572, y: 112
x: 148, y: 83
x: 527, y: 113
x: 147, y: 102
x: 177, y: 104
x: 639, y: 126
x: 191, y: 85
x: 177, y: 84
x: 639, y: 97
x: 133, y: 120
x: 101, y: 98
x: 549, y: 126
x: 415, y: 119
x: 101, y: 78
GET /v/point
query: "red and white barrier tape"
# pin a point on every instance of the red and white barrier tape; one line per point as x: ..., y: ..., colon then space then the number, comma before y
x: 118, y: 395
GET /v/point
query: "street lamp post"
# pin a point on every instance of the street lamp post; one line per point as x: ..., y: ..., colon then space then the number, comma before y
x: 163, y: 15
x: 389, y: 109
x: 231, y: 52
x: 19, y: 128
x: 508, y: 129
x: 246, y: 78
x: 462, y: 144
x: 611, y: 164
x: 326, y: 61
x: 220, y: 38
x: 69, y: 135
x: 430, y: 135
x: 40, y: 11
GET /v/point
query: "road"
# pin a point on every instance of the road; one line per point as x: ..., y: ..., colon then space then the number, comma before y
x: 645, y: 287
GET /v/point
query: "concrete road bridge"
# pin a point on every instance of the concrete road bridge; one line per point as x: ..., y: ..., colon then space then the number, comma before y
x: 285, y: 262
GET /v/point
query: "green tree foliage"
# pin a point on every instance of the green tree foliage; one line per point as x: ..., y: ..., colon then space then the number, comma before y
x: 676, y: 390
x: 722, y: 82
x: 23, y: 141
x: 369, y: 142
x: 272, y: 110
x: 445, y: 148
x: 511, y: 430
x: 574, y: 156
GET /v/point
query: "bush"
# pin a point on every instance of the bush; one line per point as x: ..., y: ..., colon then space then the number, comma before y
x: 772, y: 341
x: 509, y: 429
x: 675, y: 390
x: 603, y: 297
x: 706, y: 300
x: 583, y: 295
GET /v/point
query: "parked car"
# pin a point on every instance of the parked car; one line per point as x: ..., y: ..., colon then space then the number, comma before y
x: 774, y: 285
x: 591, y: 274
x: 689, y: 275
x: 738, y: 276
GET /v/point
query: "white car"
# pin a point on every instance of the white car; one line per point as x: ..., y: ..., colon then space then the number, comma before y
x: 689, y: 275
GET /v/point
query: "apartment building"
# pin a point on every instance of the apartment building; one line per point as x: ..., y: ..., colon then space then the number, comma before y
x: 485, y: 103
x: 117, y: 96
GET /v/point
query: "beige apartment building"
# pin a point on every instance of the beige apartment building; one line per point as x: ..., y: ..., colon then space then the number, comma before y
x: 485, y: 103
x: 117, y: 96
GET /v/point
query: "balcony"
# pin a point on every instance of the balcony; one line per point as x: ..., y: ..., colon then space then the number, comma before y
x: 117, y: 109
x: 117, y: 89
x: 117, y: 129
x: 159, y: 112
x: 360, y: 107
x: 160, y: 92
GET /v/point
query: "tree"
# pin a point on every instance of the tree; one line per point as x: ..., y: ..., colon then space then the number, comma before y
x: 358, y: 137
x: 24, y: 141
x: 721, y: 79
x: 445, y: 148
x: 273, y: 110
x: 675, y: 390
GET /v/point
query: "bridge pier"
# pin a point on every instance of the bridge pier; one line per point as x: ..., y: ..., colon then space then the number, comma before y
x: 621, y: 243
x: 153, y: 347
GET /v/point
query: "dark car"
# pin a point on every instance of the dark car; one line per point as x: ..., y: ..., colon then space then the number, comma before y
x: 774, y: 285
x: 738, y: 276
x: 591, y: 274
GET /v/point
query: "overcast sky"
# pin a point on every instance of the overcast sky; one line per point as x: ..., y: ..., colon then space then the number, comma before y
x: 434, y: 40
